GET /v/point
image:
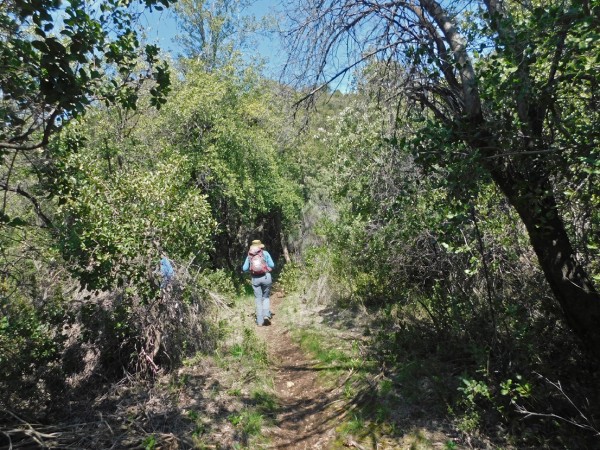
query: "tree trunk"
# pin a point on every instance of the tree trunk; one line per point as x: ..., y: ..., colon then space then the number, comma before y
x: 534, y: 200
x: 286, y: 252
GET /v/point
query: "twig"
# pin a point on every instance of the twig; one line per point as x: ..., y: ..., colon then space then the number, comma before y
x: 522, y: 410
x: 32, y: 199
x: 151, y: 363
x: 343, y: 72
x: 107, y: 424
x: 37, y: 436
x: 530, y: 152
x: 587, y: 426
x: 218, y: 300
x: 9, y: 439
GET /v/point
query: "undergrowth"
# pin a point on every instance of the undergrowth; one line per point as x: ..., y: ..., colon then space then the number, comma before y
x: 243, y: 386
x: 381, y: 411
x: 207, y: 385
x: 408, y: 388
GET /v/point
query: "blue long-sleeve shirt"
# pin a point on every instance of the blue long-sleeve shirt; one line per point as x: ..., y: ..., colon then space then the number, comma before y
x: 166, y: 269
x: 267, y: 257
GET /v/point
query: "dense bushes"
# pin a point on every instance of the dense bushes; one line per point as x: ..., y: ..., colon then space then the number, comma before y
x: 31, y: 343
x: 447, y: 264
x: 196, y: 180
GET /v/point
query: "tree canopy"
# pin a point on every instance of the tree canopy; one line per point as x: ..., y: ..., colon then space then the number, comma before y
x: 56, y: 61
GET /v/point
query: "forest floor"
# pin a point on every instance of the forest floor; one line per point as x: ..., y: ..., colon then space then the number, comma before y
x: 304, y: 382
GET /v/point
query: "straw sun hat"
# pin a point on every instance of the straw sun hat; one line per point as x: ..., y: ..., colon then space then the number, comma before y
x: 257, y: 243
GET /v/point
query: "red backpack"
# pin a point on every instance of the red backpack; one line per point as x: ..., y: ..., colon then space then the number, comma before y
x: 258, y: 264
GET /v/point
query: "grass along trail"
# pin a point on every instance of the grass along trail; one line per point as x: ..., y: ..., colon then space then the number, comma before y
x: 309, y: 412
x: 331, y: 394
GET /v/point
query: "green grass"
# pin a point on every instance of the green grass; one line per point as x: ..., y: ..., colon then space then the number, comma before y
x: 237, y: 350
x: 265, y: 402
x: 236, y: 392
x: 149, y: 443
x: 354, y: 426
x: 333, y: 358
x: 248, y: 421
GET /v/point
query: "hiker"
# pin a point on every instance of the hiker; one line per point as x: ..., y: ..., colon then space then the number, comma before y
x: 259, y: 263
x: 166, y: 271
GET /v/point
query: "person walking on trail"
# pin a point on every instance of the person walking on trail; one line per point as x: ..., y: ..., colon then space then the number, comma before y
x: 166, y: 271
x: 259, y: 263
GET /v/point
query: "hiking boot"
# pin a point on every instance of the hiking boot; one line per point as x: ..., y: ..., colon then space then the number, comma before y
x: 267, y: 321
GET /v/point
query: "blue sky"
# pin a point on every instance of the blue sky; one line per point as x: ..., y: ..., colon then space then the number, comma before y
x: 161, y: 28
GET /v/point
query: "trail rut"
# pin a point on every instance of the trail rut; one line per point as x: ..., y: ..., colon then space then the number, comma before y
x: 309, y: 412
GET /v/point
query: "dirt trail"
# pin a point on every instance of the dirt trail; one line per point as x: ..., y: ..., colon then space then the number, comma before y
x: 309, y: 412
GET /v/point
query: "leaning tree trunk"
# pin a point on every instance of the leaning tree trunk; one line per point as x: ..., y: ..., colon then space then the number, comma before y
x: 534, y: 200
x: 530, y: 192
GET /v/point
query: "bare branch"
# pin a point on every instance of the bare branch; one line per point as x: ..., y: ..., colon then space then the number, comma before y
x: 38, y: 209
x: 340, y: 73
x: 588, y: 425
x: 49, y: 128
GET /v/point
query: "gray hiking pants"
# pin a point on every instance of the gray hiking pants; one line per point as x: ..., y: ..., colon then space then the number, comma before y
x: 262, y: 290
